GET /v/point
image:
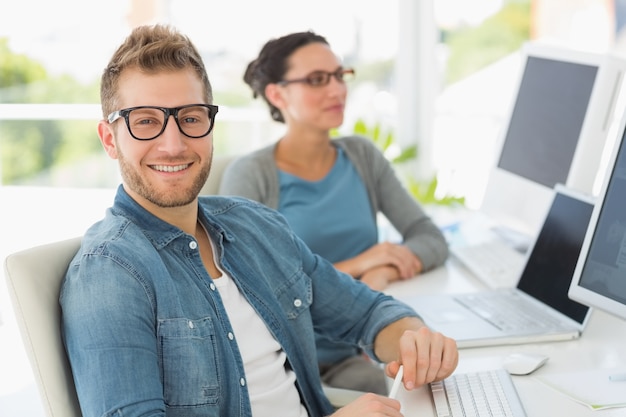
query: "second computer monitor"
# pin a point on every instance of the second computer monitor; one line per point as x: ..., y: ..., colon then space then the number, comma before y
x: 555, y: 132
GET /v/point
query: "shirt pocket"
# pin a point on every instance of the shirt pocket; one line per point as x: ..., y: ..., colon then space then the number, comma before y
x: 189, y: 355
x: 296, y: 295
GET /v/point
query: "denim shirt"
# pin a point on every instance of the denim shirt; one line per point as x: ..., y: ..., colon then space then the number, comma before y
x: 146, y: 331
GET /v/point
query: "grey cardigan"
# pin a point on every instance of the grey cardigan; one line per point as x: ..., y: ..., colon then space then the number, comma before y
x: 255, y: 176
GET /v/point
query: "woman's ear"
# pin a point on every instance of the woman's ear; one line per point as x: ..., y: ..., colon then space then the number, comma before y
x: 274, y: 95
x: 107, y: 138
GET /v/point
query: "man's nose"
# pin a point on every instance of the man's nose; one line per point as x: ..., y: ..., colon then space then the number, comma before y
x: 172, y: 139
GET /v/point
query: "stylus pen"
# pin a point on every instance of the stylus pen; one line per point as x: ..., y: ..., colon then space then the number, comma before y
x: 396, y: 383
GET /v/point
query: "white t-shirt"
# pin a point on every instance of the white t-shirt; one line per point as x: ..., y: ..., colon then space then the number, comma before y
x: 271, y: 385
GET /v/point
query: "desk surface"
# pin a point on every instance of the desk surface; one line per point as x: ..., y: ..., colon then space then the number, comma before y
x: 602, y: 346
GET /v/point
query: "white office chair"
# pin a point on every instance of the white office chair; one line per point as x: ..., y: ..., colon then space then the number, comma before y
x: 34, y: 279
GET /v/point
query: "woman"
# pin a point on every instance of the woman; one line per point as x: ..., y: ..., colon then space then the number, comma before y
x: 331, y: 190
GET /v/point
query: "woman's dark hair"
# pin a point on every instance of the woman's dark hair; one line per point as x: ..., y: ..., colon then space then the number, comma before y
x: 271, y: 64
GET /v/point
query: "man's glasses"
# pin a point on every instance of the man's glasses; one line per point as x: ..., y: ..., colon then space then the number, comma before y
x: 148, y: 122
x: 322, y: 78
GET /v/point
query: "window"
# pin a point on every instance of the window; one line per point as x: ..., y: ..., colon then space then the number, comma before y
x: 49, y: 96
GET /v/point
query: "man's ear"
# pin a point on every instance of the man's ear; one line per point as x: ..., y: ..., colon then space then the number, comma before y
x: 274, y: 95
x: 105, y: 132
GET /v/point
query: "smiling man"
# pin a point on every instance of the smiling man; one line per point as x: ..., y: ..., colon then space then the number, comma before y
x: 177, y: 305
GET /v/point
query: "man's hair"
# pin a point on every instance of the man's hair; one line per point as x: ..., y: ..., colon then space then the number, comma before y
x: 272, y: 64
x: 151, y: 49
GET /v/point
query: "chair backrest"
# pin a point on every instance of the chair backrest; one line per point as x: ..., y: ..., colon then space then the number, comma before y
x: 34, y: 279
x: 219, y: 164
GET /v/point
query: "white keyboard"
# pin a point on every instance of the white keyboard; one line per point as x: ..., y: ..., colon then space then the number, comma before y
x: 477, y: 394
x: 493, y: 262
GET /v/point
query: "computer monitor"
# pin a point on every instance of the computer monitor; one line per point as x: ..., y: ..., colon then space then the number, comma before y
x: 600, y: 276
x: 555, y: 132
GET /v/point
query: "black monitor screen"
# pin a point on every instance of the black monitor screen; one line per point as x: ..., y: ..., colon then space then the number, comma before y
x: 547, y: 119
x: 552, y: 260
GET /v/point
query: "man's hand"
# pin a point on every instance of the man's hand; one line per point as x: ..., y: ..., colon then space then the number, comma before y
x: 427, y: 356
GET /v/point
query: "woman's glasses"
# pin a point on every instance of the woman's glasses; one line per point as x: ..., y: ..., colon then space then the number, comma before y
x: 322, y: 78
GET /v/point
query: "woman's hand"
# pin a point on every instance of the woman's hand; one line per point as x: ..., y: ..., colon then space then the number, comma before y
x: 380, y: 277
x: 382, y: 255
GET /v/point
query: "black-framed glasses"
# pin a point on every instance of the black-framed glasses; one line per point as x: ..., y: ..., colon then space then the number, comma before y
x: 148, y: 122
x: 322, y: 78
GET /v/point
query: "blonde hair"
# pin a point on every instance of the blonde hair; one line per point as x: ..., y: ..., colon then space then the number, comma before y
x: 151, y: 49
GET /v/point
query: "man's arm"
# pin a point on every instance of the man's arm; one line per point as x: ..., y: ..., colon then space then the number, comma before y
x: 109, y: 334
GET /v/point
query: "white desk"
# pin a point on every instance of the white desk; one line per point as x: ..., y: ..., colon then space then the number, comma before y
x: 602, y: 346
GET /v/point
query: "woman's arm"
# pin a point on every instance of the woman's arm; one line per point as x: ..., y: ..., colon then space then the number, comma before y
x: 390, y: 197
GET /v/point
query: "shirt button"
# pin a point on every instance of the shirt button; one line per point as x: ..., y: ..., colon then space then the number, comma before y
x: 297, y: 302
x: 242, y: 382
x: 231, y: 336
x: 212, y: 286
x: 193, y: 244
x: 190, y: 324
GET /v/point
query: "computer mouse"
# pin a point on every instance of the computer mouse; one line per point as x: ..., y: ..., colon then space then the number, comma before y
x: 523, y: 363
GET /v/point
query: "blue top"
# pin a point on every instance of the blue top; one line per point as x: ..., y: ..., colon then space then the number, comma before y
x: 333, y: 216
x: 255, y: 176
x: 146, y: 331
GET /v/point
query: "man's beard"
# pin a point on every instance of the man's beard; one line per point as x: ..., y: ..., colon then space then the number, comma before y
x: 175, y: 198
